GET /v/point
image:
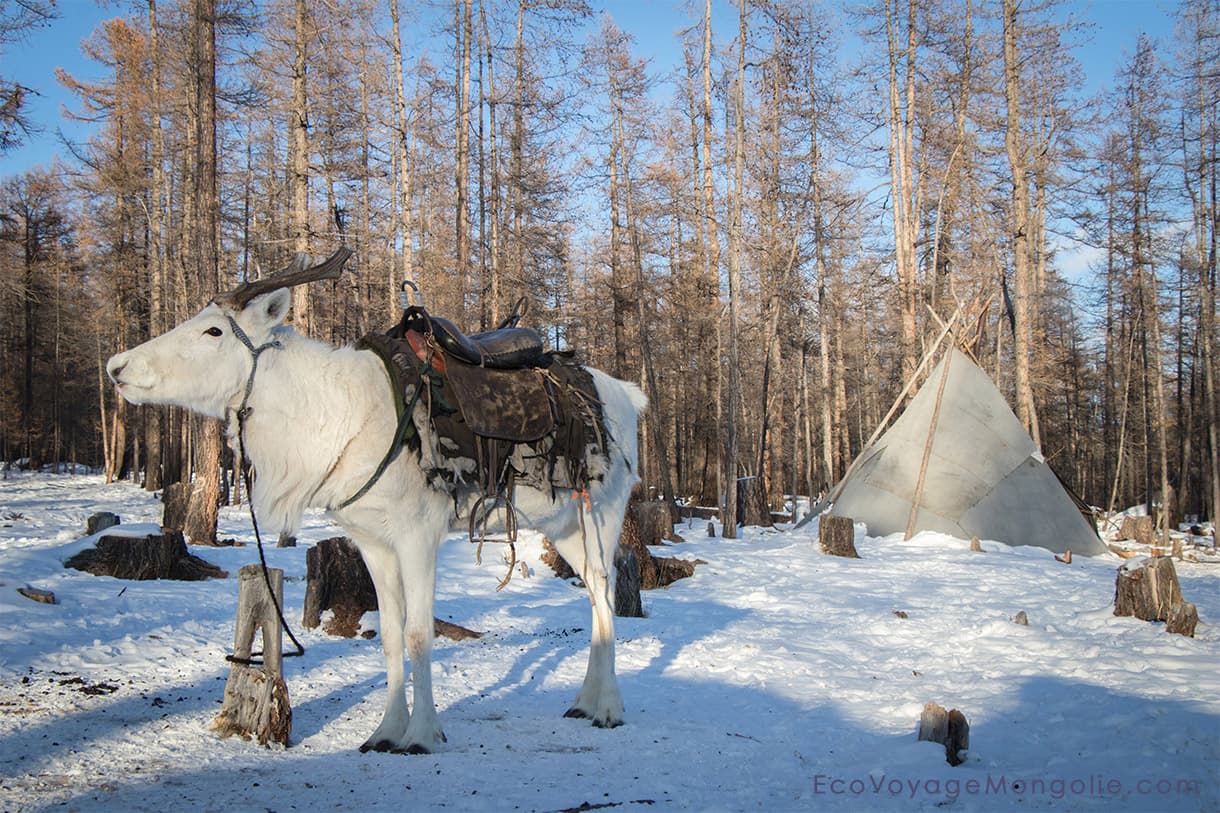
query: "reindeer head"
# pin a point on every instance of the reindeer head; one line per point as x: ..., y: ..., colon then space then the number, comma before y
x: 204, y: 363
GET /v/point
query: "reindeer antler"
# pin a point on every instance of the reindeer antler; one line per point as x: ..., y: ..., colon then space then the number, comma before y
x: 295, y: 274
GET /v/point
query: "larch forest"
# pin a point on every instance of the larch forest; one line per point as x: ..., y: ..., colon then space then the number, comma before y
x: 767, y: 234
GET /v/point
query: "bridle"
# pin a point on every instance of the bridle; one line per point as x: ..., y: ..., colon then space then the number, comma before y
x: 255, y: 353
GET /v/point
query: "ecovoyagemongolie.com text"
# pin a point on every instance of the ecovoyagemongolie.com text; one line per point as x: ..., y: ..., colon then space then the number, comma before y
x: 878, y: 785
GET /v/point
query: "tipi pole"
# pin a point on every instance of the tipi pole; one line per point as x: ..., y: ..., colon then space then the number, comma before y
x: 927, y: 448
x: 928, y: 356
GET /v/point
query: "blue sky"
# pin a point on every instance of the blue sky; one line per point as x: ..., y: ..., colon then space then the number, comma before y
x: 654, y: 24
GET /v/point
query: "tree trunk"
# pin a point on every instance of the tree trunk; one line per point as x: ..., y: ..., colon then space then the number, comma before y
x: 204, y: 243
x: 463, y: 28
x: 1019, y: 228
x: 298, y: 161
x: 902, y: 176
x: 735, y: 259
x: 404, y: 220
x: 711, y: 340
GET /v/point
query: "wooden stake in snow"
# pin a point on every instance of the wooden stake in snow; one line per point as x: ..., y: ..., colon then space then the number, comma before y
x: 256, y: 697
x: 949, y: 728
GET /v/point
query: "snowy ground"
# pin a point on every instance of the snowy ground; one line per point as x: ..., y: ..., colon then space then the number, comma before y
x: 775, y: 679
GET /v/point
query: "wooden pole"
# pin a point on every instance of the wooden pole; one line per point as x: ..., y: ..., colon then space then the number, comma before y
x: 927, y: 448
x: 834, y: 493
x: 256, y: 697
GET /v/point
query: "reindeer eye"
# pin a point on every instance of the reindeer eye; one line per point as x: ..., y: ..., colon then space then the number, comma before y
x: 214, y: 331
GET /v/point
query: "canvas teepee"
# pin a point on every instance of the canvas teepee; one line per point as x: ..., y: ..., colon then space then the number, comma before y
x: 961, y: 455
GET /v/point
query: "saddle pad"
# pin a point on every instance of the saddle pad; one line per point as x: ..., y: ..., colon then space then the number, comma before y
x: 513, y: 405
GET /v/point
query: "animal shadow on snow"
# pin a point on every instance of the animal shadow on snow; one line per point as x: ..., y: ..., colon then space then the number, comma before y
x: 756, y: 749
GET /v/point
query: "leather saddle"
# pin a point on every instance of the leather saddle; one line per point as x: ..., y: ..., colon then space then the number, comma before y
x: 497, y: 377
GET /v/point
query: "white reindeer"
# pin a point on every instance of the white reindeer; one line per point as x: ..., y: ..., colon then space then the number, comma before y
x: 319, y: 422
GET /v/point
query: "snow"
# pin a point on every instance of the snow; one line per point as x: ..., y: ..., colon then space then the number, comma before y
x: 774, y: 679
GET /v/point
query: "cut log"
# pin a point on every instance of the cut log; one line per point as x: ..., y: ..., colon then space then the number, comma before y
x: 949, y: 728
x: 1139, y: 529
x: 1147, y: 588
x: 976, y: 546
x: 100, y: 522
x: 836, y: 536
x: 338, y: 580
x: 176, y: 496
x: 698, y: 512
x: 1183, y: 619
x: 157, y: 556
x: 34, y: 594
x: 256, y: 698
x: 753, y: 506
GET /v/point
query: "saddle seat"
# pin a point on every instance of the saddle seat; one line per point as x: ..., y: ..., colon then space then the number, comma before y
x: 505, y: 348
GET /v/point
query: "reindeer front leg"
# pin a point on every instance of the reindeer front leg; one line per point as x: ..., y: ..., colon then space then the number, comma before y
x: 387, y: 580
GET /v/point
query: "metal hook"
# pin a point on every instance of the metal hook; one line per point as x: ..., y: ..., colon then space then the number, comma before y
x: 404, y: 297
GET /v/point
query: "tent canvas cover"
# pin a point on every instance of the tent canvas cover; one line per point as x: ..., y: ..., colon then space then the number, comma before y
x: 984, y: 474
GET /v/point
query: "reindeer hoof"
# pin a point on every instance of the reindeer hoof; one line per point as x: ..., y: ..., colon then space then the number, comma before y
x: 381, y: 747
x: 577, y: 713
x: 607, y: 723
x: 413, y: 749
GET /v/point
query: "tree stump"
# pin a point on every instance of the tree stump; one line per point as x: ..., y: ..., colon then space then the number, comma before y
x: 949, y: 728
x: 338, y: 580
x: 176, y: 497
x: 1147, y: 588
x: 552, y: 559
x: 836, y: 536
x: 1139, y: 529
x: 753, y: 506
x: 654, y: 571
x: 100, y: 522
x: 158, y: 556
x: 1183, y: 619
x: 654, y: 520
x: 256, y: 698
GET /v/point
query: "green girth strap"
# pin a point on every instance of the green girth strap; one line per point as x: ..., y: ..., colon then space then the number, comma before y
x: 406, y: 424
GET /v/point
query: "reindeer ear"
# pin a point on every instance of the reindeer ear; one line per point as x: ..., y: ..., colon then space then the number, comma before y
x: 271, y: 309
